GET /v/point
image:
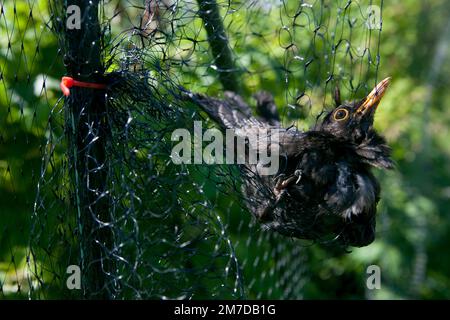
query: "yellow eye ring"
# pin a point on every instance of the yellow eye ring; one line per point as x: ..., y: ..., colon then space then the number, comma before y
x: 340, y: 114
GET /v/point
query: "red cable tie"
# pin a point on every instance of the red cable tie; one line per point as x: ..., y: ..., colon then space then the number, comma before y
x: 68, y: 82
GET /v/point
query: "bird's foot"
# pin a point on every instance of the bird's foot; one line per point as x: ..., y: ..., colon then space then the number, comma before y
x: 280, y: 189
x: 279, y: 192
x: 283, y: 183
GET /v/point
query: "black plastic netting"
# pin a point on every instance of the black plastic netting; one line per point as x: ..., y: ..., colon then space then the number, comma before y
x: 100, y: 190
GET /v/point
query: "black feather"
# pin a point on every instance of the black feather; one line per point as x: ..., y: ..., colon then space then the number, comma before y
x: 331, y: 195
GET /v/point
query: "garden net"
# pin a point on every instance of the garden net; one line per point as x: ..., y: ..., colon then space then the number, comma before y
x: 92, y: 181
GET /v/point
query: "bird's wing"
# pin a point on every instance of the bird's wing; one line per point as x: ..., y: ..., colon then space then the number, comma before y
x: 229, y: 113
x: 233, y: 113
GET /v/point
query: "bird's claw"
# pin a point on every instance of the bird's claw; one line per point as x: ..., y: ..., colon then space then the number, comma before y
x: 284, y: 183
x: 280, y: 189
x: 279, y: 177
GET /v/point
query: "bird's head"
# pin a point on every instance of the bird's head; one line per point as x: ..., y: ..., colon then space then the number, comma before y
x: 354, y: 122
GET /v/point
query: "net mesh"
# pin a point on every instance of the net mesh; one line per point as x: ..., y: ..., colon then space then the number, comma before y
x: 100, y: 190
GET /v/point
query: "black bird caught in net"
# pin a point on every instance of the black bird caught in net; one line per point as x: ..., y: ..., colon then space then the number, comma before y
x: 110, y: 198
x: 323, y: 189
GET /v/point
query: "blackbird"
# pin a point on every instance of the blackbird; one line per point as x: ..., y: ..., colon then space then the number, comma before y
x: 324, y: 189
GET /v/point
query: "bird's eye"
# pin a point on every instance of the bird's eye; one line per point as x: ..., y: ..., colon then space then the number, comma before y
x: 340, y: 114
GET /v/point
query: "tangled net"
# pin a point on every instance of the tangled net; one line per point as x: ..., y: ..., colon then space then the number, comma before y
x: 109, y: 197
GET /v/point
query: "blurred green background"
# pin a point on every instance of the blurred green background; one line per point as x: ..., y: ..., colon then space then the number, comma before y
x: 413, y: 234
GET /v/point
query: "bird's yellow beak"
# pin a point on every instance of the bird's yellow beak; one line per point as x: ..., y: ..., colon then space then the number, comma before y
x: 374, y: 97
